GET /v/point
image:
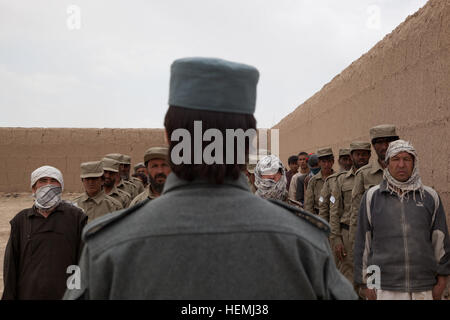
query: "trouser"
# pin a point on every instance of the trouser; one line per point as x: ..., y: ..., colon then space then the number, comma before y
x: 396, y: 295
x: 346, y: 265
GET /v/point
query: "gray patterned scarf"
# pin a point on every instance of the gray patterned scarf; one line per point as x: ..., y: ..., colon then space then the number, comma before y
x: 414, y: 183
x: 269, y: 188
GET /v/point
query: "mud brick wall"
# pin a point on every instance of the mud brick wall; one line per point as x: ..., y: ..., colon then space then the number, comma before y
x: 24, y: 149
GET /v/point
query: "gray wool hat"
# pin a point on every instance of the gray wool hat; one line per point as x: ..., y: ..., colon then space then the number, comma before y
x: 213, y: 84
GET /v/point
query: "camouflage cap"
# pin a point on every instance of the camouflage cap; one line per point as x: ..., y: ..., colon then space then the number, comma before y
x: 93, y: 169
x: 383, y: 131
x: 110, y: 165
x: 344, y: 152
x: 115, y: 156
x: 156, y: 153
x: 324, y: 152
x: 139, y: 165
x: 359, y: 145
x: 126, y: 159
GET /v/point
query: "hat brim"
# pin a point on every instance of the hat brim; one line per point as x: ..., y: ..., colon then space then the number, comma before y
x: 91, y: 175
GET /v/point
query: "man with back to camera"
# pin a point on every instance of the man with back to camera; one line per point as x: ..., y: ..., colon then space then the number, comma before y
x: 207, y: 236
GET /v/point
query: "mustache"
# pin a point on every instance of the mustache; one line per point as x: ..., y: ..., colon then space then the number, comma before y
x: 160, y: 175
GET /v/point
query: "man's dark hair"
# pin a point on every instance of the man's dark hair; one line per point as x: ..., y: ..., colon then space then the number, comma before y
x: 303, y: 153
x: 292, y: 159
x: 183, y: 118
x: 330, y: 157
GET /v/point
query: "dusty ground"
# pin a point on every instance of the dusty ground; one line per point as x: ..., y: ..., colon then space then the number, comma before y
x: 10, y: 205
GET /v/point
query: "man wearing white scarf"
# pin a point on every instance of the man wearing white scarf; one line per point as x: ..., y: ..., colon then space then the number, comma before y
x: 44, y: 241
x: 402, y: 230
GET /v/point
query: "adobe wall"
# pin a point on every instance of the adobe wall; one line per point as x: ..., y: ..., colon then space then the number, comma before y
x: 403, y: 80
x: 24, y: 149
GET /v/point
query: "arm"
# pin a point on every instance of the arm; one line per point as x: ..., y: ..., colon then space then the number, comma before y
x: 441, y: 246
x: 293, y: 187
x: 10, y: 265
x: 357, y: 193
x: 324, y: 205
x: 309, y: 198
x: 363, y: 244
x: 336, y: 211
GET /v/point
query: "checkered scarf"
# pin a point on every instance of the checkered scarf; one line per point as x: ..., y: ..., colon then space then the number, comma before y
x: 414, y: 183
x: 268, y: 188
x: 47, y: 197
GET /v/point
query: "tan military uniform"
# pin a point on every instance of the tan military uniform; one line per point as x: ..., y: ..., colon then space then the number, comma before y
x: 325, y: 194
x: 147, y: 194
x: 366, y: 177
x: 312, y: 195
x: 340, y: 209
x: 97, y: 206
x: 128, y: 187
x: 122, y: 196
x: 138, y: 183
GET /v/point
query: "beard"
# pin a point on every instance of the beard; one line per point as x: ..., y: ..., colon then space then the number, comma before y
x: 157, y: 187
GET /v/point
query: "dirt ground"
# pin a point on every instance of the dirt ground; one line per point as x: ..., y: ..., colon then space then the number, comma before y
x: 13, y: 203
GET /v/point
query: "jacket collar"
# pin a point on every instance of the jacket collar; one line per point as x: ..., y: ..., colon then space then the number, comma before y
x: 34, y: 210
x: 173, y: 182
x: 97, y: 198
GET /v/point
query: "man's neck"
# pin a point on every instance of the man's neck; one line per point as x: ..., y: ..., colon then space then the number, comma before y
x: 93, y: 195
x: 304, y: 171
x: 45, y: 213
x: 108, y: 189
x: 153, y: 192
x: 324, y: 176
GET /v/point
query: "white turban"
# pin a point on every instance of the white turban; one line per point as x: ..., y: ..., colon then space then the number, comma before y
x: 47, y: 171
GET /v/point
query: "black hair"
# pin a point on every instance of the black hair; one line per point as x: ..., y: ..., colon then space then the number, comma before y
x: 183, y: 118
x: 292, y: 159
x: 303, y: 153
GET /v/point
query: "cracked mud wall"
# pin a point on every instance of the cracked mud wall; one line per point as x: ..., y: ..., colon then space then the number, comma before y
x: 403, y: 80
x: 24, y: 149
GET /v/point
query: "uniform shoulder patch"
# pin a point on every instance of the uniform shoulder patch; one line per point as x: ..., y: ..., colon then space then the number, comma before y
x: 103, y: 222
x: 305, y: 215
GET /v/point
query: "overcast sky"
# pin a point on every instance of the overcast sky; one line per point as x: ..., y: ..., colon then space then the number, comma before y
x: 98, y: 63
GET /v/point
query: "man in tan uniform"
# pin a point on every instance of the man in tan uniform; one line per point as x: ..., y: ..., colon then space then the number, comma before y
x: 344, y: 165
x: 140, y: 168
x: 156, y: 160
x: 124, y: 171
x: 121, y: 183
x: 340, y: 208
x: 94, y: 202
x: 303, y: 170
x: 315, y: 184
x: 371, y: 174
x: 110, y: 173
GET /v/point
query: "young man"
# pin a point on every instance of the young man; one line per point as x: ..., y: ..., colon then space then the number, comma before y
x: 293, y: 169
x: 402, y: 230
x: 44, y: 241
x: 207, y: 236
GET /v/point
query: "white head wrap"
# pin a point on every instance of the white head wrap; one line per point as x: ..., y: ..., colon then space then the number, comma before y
x: 47, y: 171
x: 268, y: 188
x: 414, y: 183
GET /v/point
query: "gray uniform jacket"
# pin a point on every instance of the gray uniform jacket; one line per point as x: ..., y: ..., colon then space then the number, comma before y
x: 407, y: 240
x: 204, y: 241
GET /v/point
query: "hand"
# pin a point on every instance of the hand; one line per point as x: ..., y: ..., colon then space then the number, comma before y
x: 340, y: 251
x: 439, y: 287
x: 370, y: 294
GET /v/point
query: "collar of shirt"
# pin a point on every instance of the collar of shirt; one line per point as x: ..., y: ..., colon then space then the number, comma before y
x: 350, y: 172
x: 114, y: 191
x: 35, y: 212
x: 375, y: 167
x: 173, y: 182
x: 97, y: 198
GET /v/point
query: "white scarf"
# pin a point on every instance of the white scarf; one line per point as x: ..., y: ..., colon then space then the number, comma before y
x: 269, y: 188
x: 414, y: 183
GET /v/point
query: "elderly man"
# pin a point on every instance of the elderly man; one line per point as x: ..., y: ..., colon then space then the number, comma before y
x: 371, y: 174
x: 207, y: 236
x: 157, y: 164
x: 44, y: 241
x: 95, y: 202
x: 402, y: 230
